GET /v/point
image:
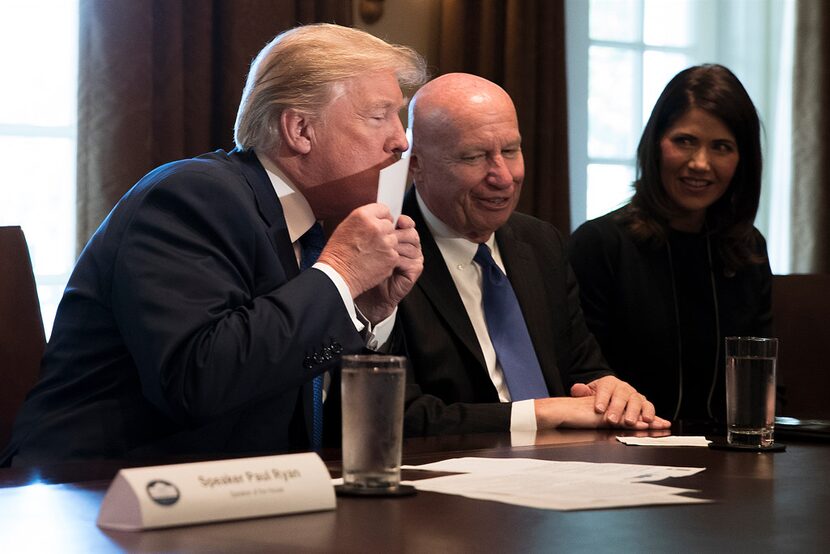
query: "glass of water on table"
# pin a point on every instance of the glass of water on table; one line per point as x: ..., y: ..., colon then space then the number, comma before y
x: 372, y: 396
x: 750, y: 391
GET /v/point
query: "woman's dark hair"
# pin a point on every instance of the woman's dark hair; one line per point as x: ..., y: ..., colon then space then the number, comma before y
x: 715, y: 90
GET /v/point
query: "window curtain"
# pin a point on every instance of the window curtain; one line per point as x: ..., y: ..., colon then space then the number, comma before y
x: 161, y: 80
x: 520, y: 44
x: 810, y: 202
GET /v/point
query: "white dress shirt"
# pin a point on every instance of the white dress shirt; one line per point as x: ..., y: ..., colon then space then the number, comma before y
x: 458, y: 253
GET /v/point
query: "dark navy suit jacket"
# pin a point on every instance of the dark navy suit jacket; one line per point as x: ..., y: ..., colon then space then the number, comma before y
x: 186, y: 327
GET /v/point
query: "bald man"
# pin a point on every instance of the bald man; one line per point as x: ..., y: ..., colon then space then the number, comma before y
x: 468, y: 170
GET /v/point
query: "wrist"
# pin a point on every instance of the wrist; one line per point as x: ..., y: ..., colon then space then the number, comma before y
x: 374, y: 312
x: 550, y: 412
x: 344, y: 271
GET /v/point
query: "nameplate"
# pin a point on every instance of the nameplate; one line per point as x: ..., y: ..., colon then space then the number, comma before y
x: 183, y: 494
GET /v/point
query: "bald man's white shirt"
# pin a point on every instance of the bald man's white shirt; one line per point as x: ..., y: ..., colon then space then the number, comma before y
x: 458, y: 253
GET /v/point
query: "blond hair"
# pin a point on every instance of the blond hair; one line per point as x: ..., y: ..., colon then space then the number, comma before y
x: 300, y: 68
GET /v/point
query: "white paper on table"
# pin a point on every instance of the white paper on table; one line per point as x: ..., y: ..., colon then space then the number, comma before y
x: 540, y: 492
x: 480, y: 465
x: 557, y: 485
x: 665, y: 441
x: 392, y: 186
x: 570, y: 470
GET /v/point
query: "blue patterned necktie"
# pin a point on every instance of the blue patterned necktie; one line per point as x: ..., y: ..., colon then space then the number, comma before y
x: 508, y: 331
x: 311, y: 244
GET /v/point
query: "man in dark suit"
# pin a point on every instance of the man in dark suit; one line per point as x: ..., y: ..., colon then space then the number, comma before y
x: 468, y: 169
x: 189, y: 325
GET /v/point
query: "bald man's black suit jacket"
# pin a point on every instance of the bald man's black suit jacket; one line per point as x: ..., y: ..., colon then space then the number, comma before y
x: 449, y: 388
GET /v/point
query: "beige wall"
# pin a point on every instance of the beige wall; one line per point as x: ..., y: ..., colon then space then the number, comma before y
x: 414, y: 23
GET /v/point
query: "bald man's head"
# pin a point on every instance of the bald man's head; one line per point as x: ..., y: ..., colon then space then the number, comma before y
x: 466, y: 158
x: 446, y: 99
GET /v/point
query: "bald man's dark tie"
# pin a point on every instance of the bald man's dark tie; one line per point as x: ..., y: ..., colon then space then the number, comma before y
x: 311, y: 244
x: 508, y: 331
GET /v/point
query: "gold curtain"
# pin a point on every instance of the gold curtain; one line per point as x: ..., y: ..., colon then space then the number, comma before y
x: 810, y: 238
x: 520, y: 44
x: 160, y: 80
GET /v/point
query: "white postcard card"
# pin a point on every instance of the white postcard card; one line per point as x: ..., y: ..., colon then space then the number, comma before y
x: 392, y: 185
x: 181, y: 494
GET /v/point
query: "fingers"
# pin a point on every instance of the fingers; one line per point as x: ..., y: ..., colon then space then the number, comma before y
x: 636, y: 408
x: 411, y: 261
x: 603, y: 390
x: 647, y: 412
x: 377, y: 210
x: 640, y: 414
x: 579, y: 412
x: 405, y: 222
x: 408, y: 242
x: 620, y: 402
x: 659, y: 423
x: 581, y: 389
x: 383, y: 281
x: 407, y: 252
x: 363, y: 248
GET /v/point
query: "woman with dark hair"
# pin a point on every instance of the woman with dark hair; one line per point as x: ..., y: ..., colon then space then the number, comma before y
x: 666, y: 277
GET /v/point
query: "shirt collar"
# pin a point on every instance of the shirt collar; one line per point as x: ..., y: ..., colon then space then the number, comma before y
x: 453, y: 244
x: 298, y: 214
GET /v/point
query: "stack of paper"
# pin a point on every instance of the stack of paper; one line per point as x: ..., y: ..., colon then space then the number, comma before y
x: 665, y: 441
x: 557, y: 485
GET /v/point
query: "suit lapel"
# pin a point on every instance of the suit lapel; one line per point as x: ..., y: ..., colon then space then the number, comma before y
x: 434, y: 279
x: 526, y: 278
x: 269, y: 208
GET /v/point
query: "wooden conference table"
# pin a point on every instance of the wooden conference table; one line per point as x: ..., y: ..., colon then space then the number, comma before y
x: 771, y: 502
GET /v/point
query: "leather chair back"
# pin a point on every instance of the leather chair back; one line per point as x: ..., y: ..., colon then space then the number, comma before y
x: 801, y: 320
x: 21, y: 327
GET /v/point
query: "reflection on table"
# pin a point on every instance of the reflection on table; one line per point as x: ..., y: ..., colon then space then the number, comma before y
x: 774, y: 502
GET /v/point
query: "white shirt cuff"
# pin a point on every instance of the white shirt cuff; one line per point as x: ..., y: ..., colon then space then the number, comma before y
x: 345, y: 293
x: 377, y: 336
x: 523, y: 416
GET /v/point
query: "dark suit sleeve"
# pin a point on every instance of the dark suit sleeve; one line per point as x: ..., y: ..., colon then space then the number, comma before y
x: 441, y: 397
x: 578, y: 355
x: 429, y: 415
x: 764, y: 323
x: 594, y: 271
x: 586, y: 360
x: 205, y: 307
